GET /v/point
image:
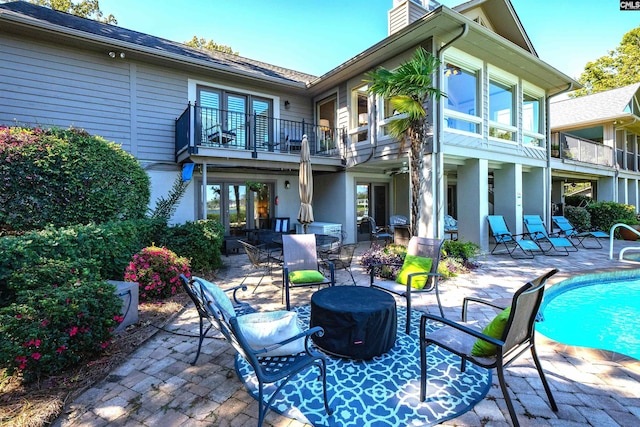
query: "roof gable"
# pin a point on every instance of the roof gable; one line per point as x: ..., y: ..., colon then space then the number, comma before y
x: 500, y: 17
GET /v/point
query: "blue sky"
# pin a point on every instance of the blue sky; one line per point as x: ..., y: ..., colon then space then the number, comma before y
x: 314, y: 36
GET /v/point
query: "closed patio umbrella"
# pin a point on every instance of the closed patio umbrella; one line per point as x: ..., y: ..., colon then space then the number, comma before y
x: 305, y: 215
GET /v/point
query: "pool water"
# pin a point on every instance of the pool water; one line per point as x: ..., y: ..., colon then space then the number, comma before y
x: 596, y: 311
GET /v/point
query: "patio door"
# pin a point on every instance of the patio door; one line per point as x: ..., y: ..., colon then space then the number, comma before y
x: 371, y: 200
x: 238, y: 207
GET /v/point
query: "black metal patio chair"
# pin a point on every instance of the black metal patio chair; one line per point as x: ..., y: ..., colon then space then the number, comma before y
x: 268, y: 363
x: 516, y: 338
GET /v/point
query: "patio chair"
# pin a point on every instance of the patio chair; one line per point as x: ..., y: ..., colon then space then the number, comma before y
x: 419, y: 247
x: 277, y: 352
x: 500, y: 347
x: 201, y: 292
x: 261, y: 259
x: 300, y: 266
x: 377, y: 233
x: 342, y: 259
x: 503, y: 236
x: 570, y: 232
x: 537, y: 231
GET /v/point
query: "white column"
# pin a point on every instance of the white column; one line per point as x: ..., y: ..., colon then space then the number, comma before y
x: 473, y: 202
x: 534, y: 199
x: 507, y: 195
x: 606, y: 189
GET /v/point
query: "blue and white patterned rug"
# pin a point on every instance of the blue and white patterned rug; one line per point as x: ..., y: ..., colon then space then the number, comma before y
x: 384, y: 391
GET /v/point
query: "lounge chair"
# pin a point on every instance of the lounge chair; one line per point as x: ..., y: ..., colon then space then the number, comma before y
x: 538, y: 232
x: 570, y: 232
x: 496, y: 350
x: 503, y: 236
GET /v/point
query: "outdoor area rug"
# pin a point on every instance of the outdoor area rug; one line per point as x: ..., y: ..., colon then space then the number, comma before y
x: 383, y: 391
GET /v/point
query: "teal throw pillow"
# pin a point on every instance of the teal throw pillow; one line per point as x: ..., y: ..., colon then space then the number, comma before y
x: 306, y: 276
x: 265, y: 329
x: 494, y: 330
x: 213, y: 293
x: 414, y: 264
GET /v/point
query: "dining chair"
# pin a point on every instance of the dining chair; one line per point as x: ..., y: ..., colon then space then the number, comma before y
x: 300, y: 266
x: 507, y: 338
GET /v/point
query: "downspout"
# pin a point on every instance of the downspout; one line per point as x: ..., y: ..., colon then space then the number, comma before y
x: 437, y: 151
x: 547, y: 200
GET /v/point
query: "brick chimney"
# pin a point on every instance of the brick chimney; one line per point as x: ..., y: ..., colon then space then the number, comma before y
x: 405, y: 12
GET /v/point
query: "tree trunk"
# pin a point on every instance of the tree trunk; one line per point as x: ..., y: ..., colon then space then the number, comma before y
x: 416, y: 162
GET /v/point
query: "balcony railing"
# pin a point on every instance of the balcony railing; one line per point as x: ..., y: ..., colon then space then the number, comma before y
x: 565, y: 146
x: 200, y: 127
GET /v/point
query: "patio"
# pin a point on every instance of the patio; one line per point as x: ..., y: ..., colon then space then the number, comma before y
x: 158, y: 386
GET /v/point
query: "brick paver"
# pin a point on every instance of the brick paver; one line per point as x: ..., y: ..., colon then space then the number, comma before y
x: 158, y: 386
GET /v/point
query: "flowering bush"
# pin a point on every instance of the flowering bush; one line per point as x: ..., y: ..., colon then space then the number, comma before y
x: 157, y: 271
x: 54, y: 327
x: 393, y: 255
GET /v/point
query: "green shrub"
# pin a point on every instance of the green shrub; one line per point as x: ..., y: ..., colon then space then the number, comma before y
x: 580, y: 218
x: 464, y: 251
x: 67, y: 177
x: 111, y: 245
x: 157, y: 271
x: 198, y: 241
x: 54, y: 327
x: 606, y: 214
x: 49, y: 272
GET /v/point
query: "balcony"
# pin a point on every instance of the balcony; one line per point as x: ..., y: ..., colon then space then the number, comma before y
x: 202, y: 127
x: 569, y: 147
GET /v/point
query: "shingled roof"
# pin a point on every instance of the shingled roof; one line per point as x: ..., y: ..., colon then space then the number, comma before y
x: 42, y: 16
x: 601, y: 106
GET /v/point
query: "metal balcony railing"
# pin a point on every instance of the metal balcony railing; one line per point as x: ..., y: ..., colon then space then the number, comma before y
x: 200, y: 127
x: 566, y: 146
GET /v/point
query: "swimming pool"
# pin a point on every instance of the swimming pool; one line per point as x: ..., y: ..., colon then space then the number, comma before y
x: 598, y: 311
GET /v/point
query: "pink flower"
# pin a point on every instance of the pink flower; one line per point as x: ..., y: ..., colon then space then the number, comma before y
x: 104, y: 345
x: 61, y: 349
x: 36, y: 356
x: 44, y: 323
x: 73, y: 331
x: 18, y: 316
x: 118, y: 319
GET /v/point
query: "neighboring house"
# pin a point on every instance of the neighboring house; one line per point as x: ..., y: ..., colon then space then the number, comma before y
x: 241, y: 121
x: 596, y: 139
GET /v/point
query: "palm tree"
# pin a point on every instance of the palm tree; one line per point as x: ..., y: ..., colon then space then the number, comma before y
x: 408, y: 88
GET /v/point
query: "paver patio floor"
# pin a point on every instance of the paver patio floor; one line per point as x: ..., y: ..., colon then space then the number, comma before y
x: 157, y: 386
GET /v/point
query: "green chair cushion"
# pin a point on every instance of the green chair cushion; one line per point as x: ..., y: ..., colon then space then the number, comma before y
x: 414, y: 264
x: 306, y: 276
x: 494, y: 330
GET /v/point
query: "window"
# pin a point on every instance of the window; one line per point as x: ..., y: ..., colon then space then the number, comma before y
x: 461, y: 104
x: 230, y: 115
x: 501, y: 102
x: 360, y: 112
x: 326, y: 113
x: 531, y: 122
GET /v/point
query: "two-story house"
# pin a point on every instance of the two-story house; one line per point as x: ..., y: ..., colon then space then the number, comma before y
x: 240, y: 122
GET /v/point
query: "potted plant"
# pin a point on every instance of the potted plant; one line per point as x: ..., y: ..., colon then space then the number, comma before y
x: 627, y: 234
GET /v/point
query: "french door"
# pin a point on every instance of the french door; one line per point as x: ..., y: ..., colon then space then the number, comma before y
x: 240, y: 207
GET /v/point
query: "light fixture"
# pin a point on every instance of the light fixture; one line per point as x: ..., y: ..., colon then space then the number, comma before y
x: 287, y: 185
x: 112, y: 54
x: 363, y: 119
x: 324, y: 124
x: 287, y: 104
x: 121, y: 55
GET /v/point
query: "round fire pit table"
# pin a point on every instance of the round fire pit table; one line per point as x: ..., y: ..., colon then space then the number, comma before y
x: 359, y: 322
